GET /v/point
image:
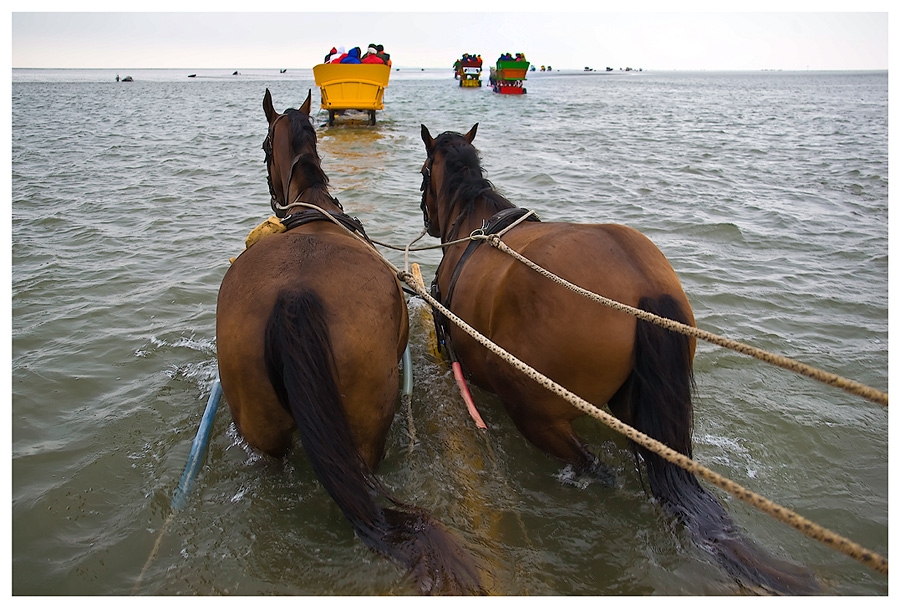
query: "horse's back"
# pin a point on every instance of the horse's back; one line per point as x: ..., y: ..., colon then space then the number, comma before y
x: 613, y: 260
x: 345, y: 273
x: 613, y: 255
x: 583, y: 344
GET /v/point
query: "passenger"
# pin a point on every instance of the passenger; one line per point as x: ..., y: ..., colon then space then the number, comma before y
x: 372, y: 58
x: 329, y: 54
x: 384, y: 56
x: 352, y: 56
x: 370, y: 50
x: 340, y: 54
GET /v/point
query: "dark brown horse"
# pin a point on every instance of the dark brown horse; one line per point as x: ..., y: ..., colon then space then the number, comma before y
x: 643, y: 372
x: 310, y: 328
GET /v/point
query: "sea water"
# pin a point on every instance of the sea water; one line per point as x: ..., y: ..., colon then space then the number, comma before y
x: 767, y: 191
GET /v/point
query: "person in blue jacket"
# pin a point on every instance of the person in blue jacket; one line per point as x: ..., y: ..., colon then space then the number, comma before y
x: 352, y: 56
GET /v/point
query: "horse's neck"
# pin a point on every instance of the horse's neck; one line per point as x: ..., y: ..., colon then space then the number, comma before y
x: 463, y: 223
x: 317, y: 194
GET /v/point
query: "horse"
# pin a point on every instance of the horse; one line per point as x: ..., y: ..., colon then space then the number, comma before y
x: 311, y: 326
x: 644, y: 373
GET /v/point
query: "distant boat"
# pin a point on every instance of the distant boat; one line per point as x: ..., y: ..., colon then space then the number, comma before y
x: 128, y: 79
x: 236, y: 73
x: 192, y: 75
x: 282, y: 71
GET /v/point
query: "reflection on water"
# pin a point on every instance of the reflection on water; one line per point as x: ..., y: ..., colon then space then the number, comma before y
x: 352, y: 155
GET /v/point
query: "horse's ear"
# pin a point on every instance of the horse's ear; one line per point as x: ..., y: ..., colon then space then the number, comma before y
x: 271, y: 114
x: 307, y: 104
x: 426, y: 137
x: 471, y: 134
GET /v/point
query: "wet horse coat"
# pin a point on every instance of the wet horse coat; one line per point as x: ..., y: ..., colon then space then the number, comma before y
x: 641, y: 371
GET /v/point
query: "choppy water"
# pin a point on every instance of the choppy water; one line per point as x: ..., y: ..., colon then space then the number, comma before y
x: 768, y: 192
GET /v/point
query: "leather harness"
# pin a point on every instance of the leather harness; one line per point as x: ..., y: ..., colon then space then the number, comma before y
x: 497, y: 223
x: 313, y: 215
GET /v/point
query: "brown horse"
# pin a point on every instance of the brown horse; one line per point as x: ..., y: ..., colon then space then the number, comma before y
x: 643, y: 372
x: 311, y: 326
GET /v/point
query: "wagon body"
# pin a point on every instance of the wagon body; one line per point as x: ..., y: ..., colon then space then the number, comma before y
x: 352, y: 86
x: 508, y: 76
x: 512, y: 70
x: 469, y: 73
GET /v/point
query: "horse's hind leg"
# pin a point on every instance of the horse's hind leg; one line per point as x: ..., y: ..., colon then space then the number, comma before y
x: 547, y: 424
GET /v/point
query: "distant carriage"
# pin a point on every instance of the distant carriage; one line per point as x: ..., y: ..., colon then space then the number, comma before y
x: 352, y: 86
x: 468, y: 71
x: 508, y: 77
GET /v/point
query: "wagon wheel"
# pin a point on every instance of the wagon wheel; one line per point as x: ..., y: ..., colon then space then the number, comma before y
x: 371, y: 117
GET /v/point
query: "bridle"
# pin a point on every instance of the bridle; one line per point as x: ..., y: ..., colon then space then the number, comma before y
x: 426, y: 187
x: 278, y: 208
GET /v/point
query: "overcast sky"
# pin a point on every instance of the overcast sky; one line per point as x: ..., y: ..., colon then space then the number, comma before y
x: 651, y: 36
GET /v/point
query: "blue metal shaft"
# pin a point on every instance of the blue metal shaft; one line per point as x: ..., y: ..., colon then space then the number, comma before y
x: 198, y: 447
x: 201, y: 441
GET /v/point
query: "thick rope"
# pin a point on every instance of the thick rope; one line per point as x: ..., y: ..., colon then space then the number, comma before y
x: 782, y: 514
x: 851, y: 386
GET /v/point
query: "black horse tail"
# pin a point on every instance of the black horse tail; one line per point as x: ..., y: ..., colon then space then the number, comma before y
x: 300, y: 363
x: 660, y: 392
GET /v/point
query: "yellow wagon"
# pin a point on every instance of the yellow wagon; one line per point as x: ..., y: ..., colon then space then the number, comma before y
x: 352, y: 86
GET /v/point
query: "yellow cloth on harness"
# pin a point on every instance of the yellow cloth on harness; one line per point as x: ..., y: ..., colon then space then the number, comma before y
x: 272, y: 225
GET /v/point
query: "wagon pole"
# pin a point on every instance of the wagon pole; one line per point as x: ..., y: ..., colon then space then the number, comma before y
x: 783, y: 514
x: 195, y: 458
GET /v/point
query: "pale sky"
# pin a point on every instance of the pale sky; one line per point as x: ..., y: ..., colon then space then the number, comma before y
x: 649, y: 35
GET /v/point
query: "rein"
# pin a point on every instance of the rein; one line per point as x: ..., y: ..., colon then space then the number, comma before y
x: 278, y: 207
x: 267, y: 148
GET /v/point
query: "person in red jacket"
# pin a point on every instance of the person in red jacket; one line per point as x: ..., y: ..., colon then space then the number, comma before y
x: 371, y: 55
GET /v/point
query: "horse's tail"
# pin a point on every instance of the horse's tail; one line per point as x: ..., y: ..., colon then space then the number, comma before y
x: 660, y: 390
x: 300, y: 363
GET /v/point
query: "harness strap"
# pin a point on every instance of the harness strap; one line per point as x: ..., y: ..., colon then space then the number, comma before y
x: 497, y: 223
x: 312, y: 215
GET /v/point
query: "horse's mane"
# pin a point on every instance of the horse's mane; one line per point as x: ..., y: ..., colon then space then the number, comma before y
x: 464, y: 180
x: 303, y: 140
